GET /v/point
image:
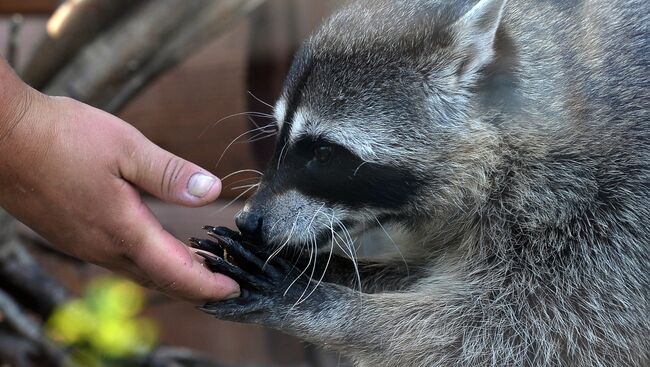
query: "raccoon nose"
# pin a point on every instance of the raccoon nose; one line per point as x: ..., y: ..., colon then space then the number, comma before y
x: 249, y: 223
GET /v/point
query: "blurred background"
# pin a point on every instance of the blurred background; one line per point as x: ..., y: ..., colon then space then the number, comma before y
x: 186, y: 73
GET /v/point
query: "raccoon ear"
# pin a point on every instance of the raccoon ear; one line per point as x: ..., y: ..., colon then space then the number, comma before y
x: 474, y: 33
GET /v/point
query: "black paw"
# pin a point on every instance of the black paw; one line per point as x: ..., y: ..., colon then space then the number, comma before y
x: 270, y: 285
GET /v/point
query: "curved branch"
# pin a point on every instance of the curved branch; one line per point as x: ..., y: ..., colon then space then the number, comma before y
x: 74, y: 24
x: 145, y: 42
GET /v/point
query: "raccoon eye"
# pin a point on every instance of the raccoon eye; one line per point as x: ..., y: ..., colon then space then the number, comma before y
x: 322, y: 153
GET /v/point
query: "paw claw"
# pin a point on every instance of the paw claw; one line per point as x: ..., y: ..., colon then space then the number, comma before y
x: 241, y: 255
x: 219, y: 265
x: 223, y: 232
x: 206, y: 245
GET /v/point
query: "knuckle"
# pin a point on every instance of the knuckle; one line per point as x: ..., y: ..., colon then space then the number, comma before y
x: 168, y: 286
x: 133, y: 167
x: 171, y: 175
x: 130, y: 148
x: 122, y: 248
x: 124, y: 242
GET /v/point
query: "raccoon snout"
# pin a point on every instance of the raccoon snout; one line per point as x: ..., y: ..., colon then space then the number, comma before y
x: 249, y: 223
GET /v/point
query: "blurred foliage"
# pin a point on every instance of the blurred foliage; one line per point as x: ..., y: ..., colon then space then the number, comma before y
x: 102, y: 327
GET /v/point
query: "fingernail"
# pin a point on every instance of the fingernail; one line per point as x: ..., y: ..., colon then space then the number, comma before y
x: 200, y: 184
x: 233, y: 295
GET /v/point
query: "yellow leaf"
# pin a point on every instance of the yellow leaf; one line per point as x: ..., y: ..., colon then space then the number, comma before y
x: 114, y: 298
x: 71, y: 322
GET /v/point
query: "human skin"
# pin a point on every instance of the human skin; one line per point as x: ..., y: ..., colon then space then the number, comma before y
x: 73, y: 174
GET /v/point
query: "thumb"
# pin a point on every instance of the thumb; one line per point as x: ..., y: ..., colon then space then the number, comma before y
x: 167, y: 176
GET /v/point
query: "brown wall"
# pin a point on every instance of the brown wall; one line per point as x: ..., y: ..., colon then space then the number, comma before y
x: 27, y: 6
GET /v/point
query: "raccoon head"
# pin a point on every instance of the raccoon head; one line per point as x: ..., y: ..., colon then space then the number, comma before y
x: 376, y: 124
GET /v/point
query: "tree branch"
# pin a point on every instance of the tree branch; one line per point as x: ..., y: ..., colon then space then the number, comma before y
x: 73, y: 25
x: 145, y: 42
x: 16, y: 351
x: 22, y: 276
x: 27, y: 329
x: 216, y: 18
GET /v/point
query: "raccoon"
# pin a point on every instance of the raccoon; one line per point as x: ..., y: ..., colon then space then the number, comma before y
x: 506, y: 143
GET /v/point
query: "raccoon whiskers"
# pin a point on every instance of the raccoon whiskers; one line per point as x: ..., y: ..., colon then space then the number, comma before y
x: 260, y: 100
x: 313, y: 252
x: 245, y: 186
x: 270, y: 125
x: 236, y: 139
x: 250, y: 113
x: 248, y: 187
x: 303, y: 272
x: 244, y: 180
x: 284, y: 244
x: 327, y: 264
x: 250, y: 170
x: 275, y: 224
x: 236, y: 198
x: 282, y: 152
x: 261, y: 136
x: 247, y: 180
x: 347, y: 238
x: 406, y: 265
x: 358, y: 167
x: 266, y: 129
x: 349, y: 244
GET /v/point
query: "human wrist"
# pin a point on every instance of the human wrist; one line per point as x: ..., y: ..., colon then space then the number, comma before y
x: 16, y: 99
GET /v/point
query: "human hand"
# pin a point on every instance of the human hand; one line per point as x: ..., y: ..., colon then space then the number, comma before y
x: 70, y: 172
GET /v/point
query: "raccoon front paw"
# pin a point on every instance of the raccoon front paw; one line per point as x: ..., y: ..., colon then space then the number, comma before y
x: 269, y: 288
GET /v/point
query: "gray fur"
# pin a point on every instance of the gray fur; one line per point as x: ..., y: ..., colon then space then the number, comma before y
x: 529, y: 244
